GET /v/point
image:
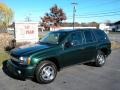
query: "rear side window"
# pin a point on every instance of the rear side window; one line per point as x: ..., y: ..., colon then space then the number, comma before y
x: 76, y: 37
x: 89, y: 36
x: 101, y: 36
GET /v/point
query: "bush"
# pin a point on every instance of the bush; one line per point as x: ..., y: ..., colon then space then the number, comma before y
x: 3, y: 57
x: 5, y: 39
x: 21, y: 44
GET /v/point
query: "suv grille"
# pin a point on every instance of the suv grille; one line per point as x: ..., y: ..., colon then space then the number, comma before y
x: 14, y: 58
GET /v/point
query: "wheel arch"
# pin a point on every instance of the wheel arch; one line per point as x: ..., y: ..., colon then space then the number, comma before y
x: 52, y: 59
x: 105, y: 51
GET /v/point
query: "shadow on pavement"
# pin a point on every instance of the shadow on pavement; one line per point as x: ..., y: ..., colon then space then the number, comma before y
x: 90, y: 64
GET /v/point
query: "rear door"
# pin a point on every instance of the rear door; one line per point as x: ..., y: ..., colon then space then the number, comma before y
x: 90, y: 45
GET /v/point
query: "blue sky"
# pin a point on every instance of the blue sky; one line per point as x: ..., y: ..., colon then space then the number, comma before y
x: 86, y: 10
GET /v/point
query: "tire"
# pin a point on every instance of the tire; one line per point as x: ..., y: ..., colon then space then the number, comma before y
x: 100, y: 59
x: 46, y: 72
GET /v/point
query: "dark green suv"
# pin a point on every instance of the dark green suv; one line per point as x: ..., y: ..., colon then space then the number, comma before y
x: 59, y: 49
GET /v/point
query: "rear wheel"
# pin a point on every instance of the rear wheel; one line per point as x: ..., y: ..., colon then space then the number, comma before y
x: 100, y: 59
x: 46, y: 72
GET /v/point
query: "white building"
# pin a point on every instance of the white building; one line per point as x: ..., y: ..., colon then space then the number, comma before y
x: 106, y: 27
x: 58, y: 28
x: 117, y: 26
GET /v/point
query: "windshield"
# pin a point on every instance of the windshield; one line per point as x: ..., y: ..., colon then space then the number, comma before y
x: 54, y: 37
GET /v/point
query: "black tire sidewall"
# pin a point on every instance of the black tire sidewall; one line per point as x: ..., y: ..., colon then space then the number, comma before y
x: 39, y: 70
x: 97, y: 61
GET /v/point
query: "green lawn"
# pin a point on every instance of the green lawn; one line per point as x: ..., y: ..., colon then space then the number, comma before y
x: 3, y: 56
x: 41, y: 36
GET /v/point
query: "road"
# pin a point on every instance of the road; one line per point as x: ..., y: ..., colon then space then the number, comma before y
x: 78, y: 77
x: 114, y: 36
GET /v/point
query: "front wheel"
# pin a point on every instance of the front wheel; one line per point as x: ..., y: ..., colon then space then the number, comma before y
x: 100, y: 59
x: 46, y: 72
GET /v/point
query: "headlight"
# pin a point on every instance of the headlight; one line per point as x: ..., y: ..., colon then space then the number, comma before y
x: 24, y: 60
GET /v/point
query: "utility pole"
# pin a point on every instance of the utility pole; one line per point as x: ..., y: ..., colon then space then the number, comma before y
x: 74, y: 11
x: 13, y: 24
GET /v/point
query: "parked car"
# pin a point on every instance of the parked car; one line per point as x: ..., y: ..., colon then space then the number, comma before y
x: 57, y: 50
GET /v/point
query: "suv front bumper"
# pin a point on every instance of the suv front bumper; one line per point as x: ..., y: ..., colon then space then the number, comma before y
x: 18, y: 70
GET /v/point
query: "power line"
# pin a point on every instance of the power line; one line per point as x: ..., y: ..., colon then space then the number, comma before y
x: 96, y: 16
x: 99, y: 14
x: 102, y: 13
x: 102, y: 4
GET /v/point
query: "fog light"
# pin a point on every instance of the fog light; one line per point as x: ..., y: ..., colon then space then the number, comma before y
x: 19, y: 72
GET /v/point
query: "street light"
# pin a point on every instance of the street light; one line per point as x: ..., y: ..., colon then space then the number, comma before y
x: 74, y: 10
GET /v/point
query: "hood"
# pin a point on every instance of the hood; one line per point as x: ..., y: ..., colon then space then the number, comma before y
x: 29, y: 49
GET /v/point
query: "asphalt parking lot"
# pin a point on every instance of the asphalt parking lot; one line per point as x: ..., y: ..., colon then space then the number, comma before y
x: 78, y: 77
x: 114, y: 36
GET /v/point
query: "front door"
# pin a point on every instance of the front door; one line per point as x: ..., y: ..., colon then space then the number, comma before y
x: 73, y: 48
